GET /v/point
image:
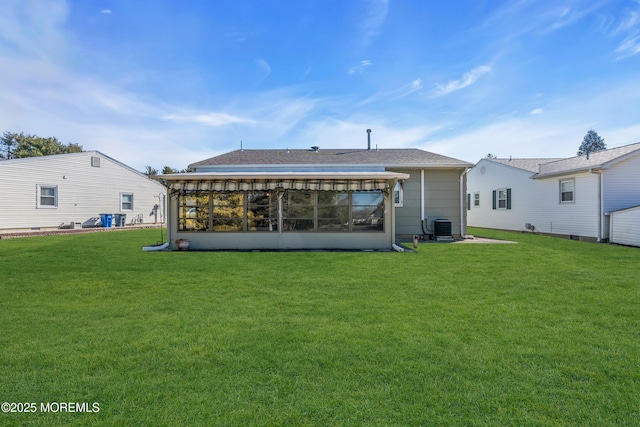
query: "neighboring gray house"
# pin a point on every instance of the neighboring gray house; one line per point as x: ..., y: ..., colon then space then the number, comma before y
x: 569, y: 197
x: 317, y: 198
x: 71, y: 190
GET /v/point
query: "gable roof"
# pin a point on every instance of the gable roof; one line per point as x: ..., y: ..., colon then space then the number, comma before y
x: 67, y: 155
x: 409, y: 157
x: 531, y: 165
x: 599, y: 159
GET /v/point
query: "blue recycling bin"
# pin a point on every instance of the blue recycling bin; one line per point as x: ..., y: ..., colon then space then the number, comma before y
x: 121, y: 220
x: 106, y: 220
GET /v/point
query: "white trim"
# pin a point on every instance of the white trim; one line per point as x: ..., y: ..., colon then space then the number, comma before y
x: 573, y: 191
x: 39, y: 188
x: 122, y: 209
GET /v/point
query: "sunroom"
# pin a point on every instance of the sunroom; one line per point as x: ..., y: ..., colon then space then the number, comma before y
x: 275, y: 210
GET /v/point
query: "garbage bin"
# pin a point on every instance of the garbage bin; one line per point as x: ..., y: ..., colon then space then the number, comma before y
x: 106, y: 220
x: 121, y: 220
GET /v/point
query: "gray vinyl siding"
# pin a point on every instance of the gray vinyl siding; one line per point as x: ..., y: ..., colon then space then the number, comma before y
x: 84, y: 191
x: 441, y: 199
x: 408, y: 216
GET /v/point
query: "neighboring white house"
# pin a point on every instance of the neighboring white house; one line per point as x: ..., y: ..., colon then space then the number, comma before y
x: 625, y: 226
x: 569, y: 197
x: 72, y: 190
x: 318, y: 198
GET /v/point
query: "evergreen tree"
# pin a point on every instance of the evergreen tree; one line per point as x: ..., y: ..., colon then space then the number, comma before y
x: 591, y: 143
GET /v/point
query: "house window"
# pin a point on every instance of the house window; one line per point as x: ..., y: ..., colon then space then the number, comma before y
x: 501, y: 198
x: 567, y: 191
x: 126, y: 201
x: 476, y: 200
x: 47, y: 196
x: 398, y: 195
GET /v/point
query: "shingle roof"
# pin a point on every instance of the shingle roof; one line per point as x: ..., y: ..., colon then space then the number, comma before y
x: 581, y: 163
x: 531, y: 165
x: 387, y: 157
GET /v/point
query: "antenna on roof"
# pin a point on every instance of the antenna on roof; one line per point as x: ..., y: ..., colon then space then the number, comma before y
x: 369, y: 139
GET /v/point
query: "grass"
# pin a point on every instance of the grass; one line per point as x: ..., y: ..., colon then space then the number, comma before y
x: 545, y: 332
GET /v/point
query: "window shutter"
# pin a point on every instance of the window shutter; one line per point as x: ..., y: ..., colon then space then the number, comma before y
x: 495, y: 198
x: 508, y: 198
x: 468, y: 201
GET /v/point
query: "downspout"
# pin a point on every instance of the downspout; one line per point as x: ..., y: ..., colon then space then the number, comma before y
x: 462, y: 200
x: 392, y: 209
x: 600, y: 204
x: 421, y: 195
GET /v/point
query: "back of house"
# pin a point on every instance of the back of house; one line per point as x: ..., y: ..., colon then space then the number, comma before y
x: 316, y: 198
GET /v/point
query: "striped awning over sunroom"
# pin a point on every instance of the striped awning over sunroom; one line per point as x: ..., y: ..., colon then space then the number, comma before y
x: 257, y: 181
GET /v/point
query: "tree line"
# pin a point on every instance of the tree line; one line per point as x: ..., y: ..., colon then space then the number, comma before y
x: 18, y: 146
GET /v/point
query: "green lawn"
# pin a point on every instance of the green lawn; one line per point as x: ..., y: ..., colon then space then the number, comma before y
x: 545, y: 332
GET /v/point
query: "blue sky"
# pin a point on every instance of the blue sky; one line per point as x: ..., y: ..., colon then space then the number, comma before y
x: 162, y: 82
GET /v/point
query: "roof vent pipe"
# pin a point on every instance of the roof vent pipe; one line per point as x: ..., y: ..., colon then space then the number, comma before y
x: 369, y: 139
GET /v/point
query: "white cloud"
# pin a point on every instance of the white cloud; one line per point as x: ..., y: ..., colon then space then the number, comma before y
x: 537, y: 111
x: 265, y: 68
x: 467, y: 79
x: 209, y: 119
x: 375, y: 16
x: 629, y: 27
x: 408, y: 89
x: 106, y: 11
x: 359, y: 69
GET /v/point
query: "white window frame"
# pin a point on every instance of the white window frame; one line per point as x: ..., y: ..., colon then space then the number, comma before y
x: 122, y: 202
x: 39, y: 188
x: 476, y: 199
x: 571, y: 181
x: 400, y: 192
x: 498, y: 199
